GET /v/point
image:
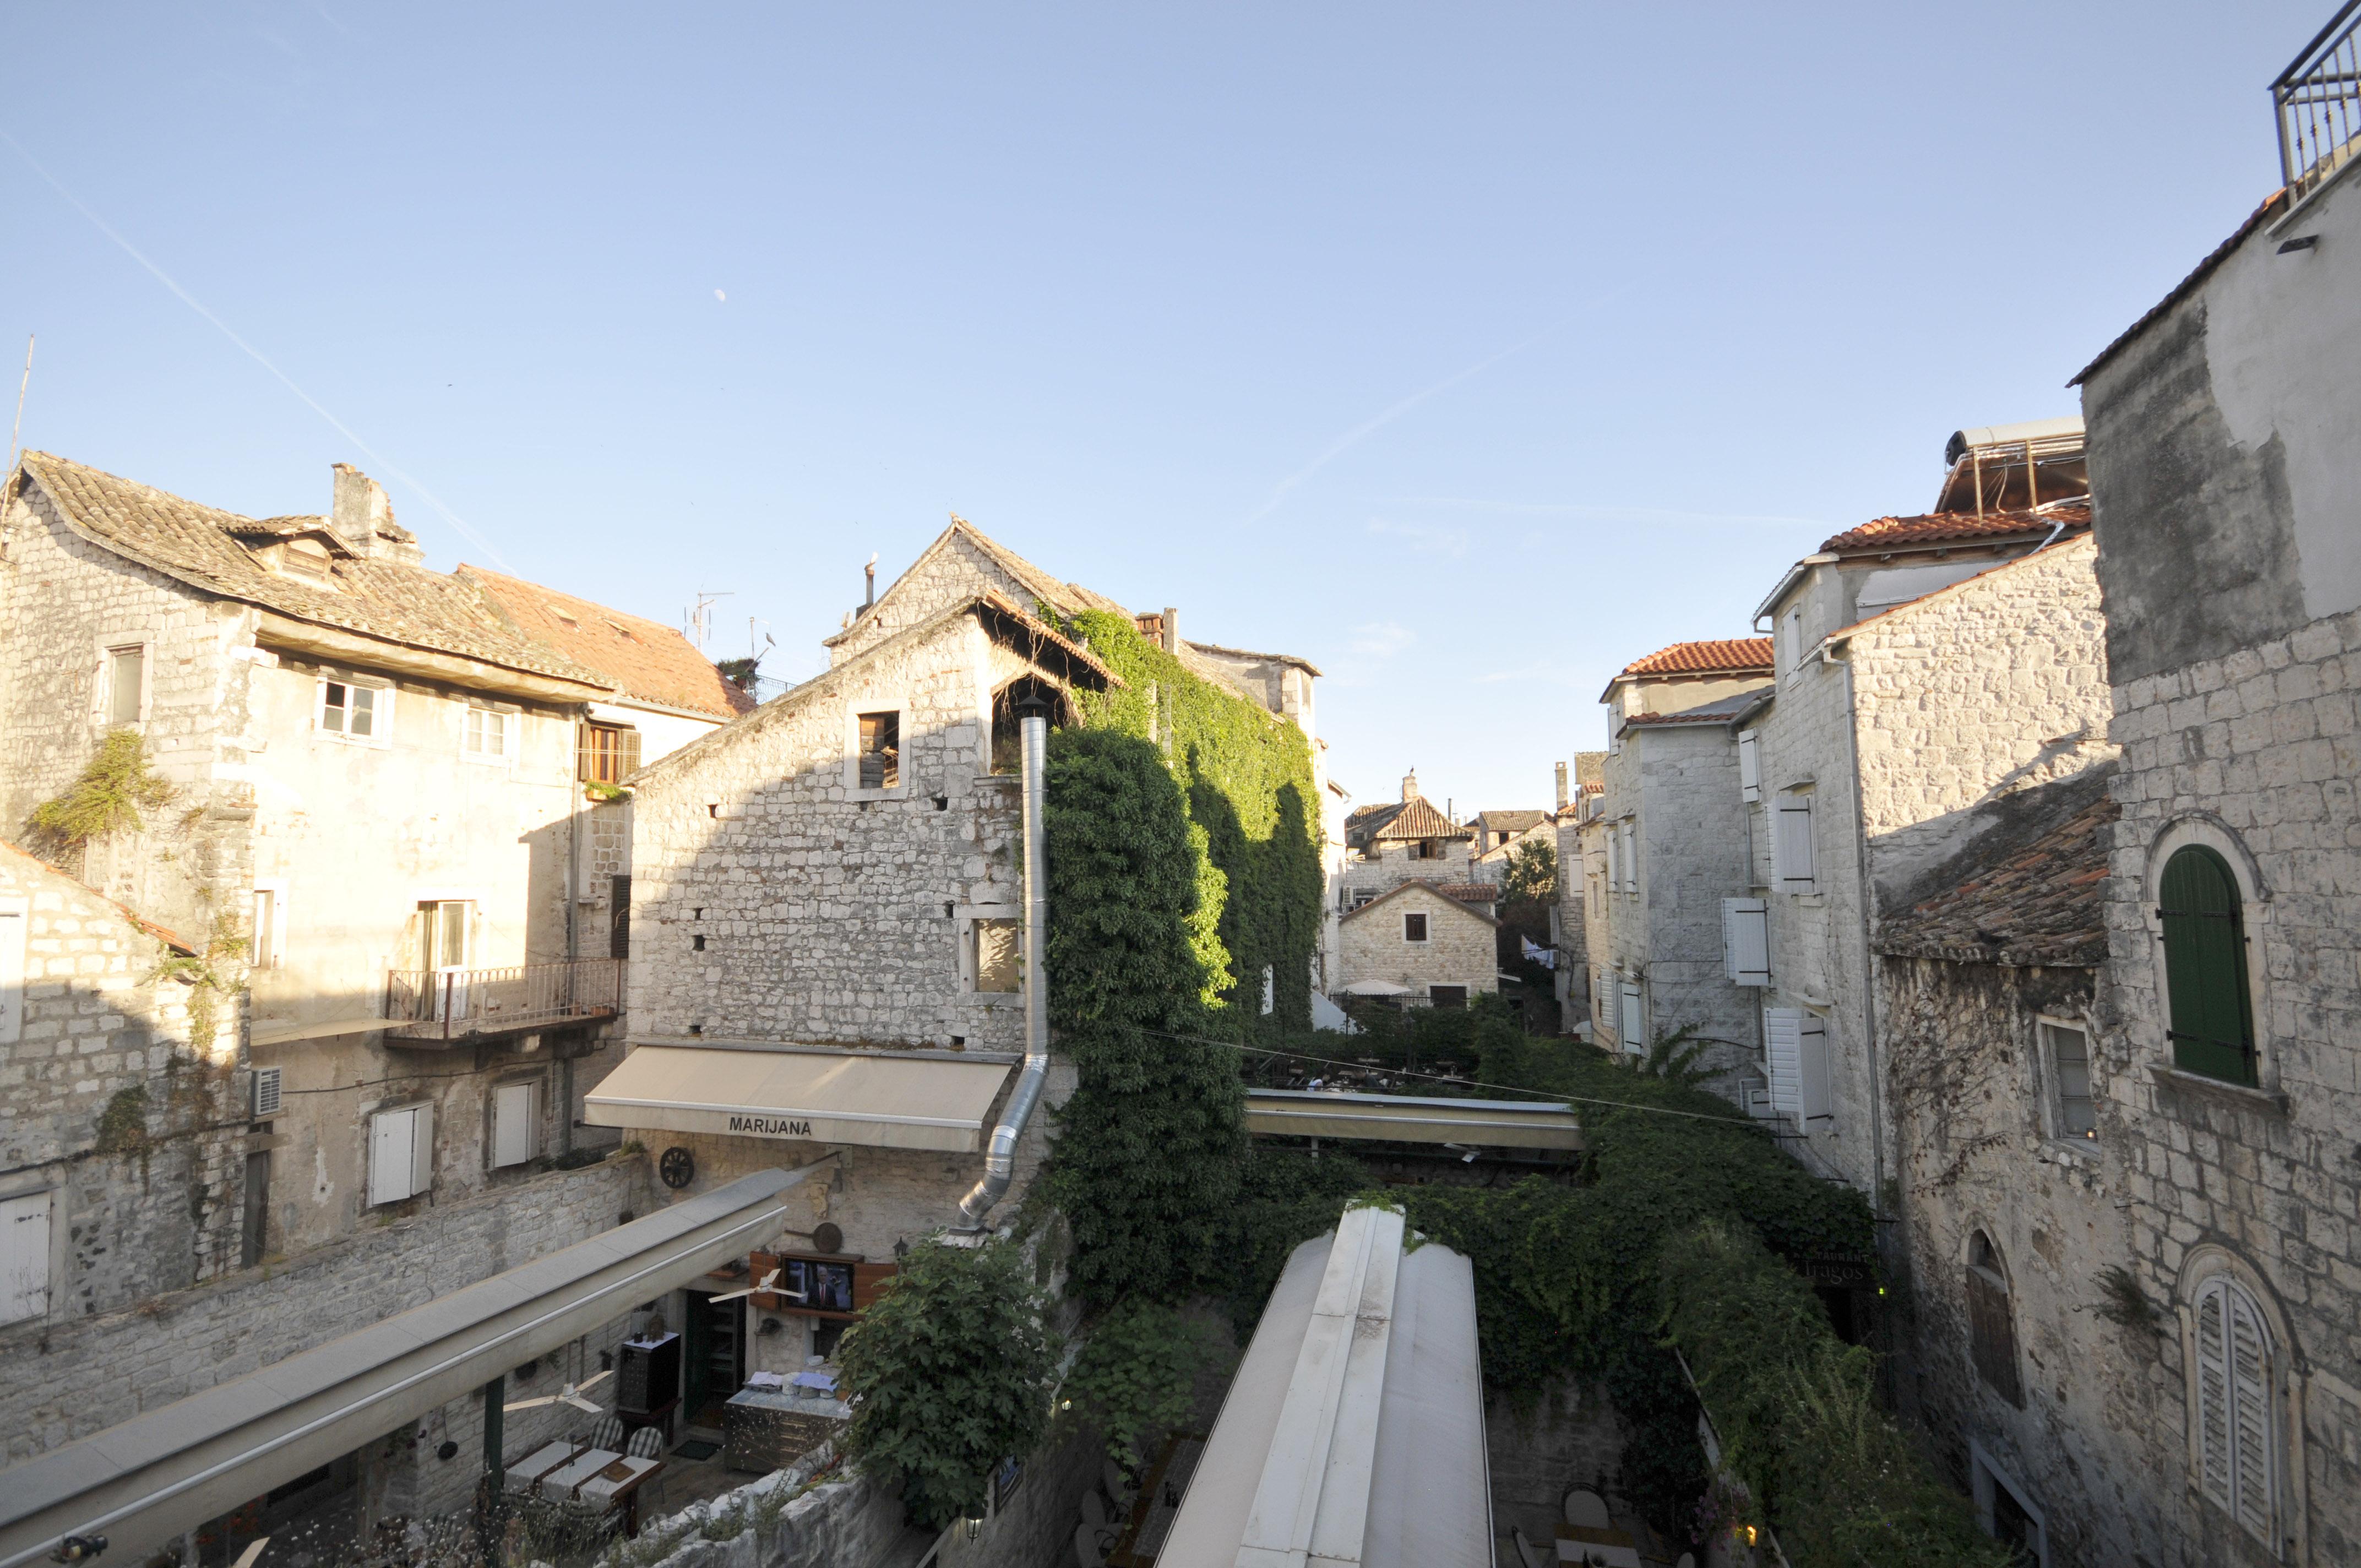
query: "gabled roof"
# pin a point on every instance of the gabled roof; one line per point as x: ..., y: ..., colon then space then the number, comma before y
x: 1306, y: 666
x: 1439, y: 891
x: 1888, y: 534
x: 2029, y: 890
x: 1734, y: 655
x: 2272, y: 206
x: 641, y: 658
x: 1066, y: 599
x: 393, y: 600
x: 1045, y: 639
x: 1468, y: 891
x: 1722, y: 710
x: 1408, y: 819
x: 1512, y: 821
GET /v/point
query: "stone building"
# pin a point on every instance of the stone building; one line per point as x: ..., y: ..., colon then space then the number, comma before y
x: 1658, y: 846
x: 1924, y: 665
x: 1581, y: 858
x: 828, y: 906
x: 366, y: 857
x: 1421, y: 944
x: 1403, y: 841
x: 2225, y: 474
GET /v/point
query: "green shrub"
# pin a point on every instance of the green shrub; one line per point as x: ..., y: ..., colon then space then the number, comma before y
x: 1137, y: 1376
x: 113, y: 789
x: 949, y: 1372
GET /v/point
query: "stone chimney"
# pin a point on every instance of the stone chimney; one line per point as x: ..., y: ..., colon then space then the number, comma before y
x: 359, y: 510
x: 1561, y: 786
x: 1172, y: 630
x: 1410, y: 787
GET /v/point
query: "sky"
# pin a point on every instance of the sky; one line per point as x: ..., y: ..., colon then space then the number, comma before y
x: 1470, y: 352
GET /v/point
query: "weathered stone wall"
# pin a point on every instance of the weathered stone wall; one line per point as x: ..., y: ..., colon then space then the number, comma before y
x: 1386, y: 866
x: 1542, y: 1447
x: 1977, y: 1146
x: 178, y: 1344
x: 1461, y: 946
x: 135, y: 1137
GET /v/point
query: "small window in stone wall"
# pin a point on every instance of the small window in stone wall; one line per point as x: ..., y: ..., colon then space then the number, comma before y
x: 127, y: 684
x: 1991, y: 1325
x: 2213, y: 1023
x: 996, y: 956
x: 2068, y: 1050
x: 1414, y: 926
x: 880, y: 751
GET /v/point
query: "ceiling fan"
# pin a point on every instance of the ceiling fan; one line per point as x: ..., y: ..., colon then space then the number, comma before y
x: 571, y: 1394
x: 767, y: 1288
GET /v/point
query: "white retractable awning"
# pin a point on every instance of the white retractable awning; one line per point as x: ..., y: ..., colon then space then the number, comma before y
x: 1413, y: 1119
x: 818, y: 1095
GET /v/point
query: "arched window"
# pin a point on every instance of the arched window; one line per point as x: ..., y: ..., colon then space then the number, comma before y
x: 1992, y: 1322
x: 2213, y: 1023
x: 2237, y: 1420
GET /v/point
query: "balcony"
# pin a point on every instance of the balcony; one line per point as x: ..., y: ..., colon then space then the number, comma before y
x: 441, y: 1007
x: 2318, y: 103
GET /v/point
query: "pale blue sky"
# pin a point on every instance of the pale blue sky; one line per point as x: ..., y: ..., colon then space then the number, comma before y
x: 1468, y: 351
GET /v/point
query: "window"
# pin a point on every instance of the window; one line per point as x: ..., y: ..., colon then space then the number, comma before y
x: 1794, y: 626
x: 2068, y: 1047
x: 1414, y: 926
x: 306, y: 558
x: 619, y: 916
x: 401, y: 1154
x: 1631, y: 831
x: 1749, y: 766
x: 487, y: 735
x: 2004, y: 1511
x: 1746, y: 941
x: 443, y: 933
x: 2237, y: 1416
x: 1426, y: 849
x: 880, y: 751
x: 997, y: 956
x: 2213, y: 1026
x: 269, y: 1095
x: 354, y: 711
x: 24, y: 1258
x: 15, y: 914
x: 606, y: 753
x: 1614, y: 859
x: 516, y: 1123
x: 1992, y: 1326
x: 1791, y: 844
x: 1446, y: 995
x: 1795, y: 1052
x: 263, y: 949
x: 127, y: 684
x: 1630, y: 1027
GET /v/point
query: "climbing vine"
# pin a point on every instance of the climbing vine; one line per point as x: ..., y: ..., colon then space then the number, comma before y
x: 108, y: 796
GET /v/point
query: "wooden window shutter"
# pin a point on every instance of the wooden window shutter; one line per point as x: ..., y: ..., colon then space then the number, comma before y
x: 1812, y: 1068
x: 1792, y: 843
x: 2236, y: 1419
x: 631, y: 759
x: 1783, y: 1032
x: 1992, y: 1333
x: 1745, y: 941
x: 2211, y: 1015
x: 1750, y: 767
x: 1631, y: 1026
x: 25, y: 1256
x: 2214, y: 1468
x: 869, y: 1282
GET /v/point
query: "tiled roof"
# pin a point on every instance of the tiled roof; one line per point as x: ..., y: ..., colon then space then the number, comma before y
x: 1962, y: 527
x: 1438, y: 889
x: 1726, y: 656
x: 640, y: 658
x: 2030, y: 890
x: 1722, y: 710
x: 1306, y: 666
x: 1512, y: 821
x: 381, y: 598
x: 2272, y: 206
x: 1469, y: 892
x: 1409, y: 819
x: 164, y: 934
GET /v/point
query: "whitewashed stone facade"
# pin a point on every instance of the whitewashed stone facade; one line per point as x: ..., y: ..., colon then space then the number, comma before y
x: 1459, y: 947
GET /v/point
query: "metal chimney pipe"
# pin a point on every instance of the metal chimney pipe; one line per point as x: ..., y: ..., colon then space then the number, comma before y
x: 1000, y: 1160
x: 869, y: 595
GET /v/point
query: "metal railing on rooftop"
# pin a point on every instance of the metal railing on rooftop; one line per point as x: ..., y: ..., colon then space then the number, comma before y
x: 2319, y: 102
x: 465, y: 1004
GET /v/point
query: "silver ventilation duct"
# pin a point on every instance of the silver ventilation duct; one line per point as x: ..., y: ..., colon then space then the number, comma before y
x: 1000, y: 1160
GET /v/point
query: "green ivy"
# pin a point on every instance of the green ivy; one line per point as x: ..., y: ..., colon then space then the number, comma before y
x: 948, y: 1372
x: 1137, y: 1376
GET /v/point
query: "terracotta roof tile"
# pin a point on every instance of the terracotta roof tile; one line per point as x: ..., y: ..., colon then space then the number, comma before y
x: 378, y: 597
x: 2030, y: 890
x: 1410, y: 819
x: 640, y: 658
x: 1726, y: 656
x: 1961, y: 527
x: 1468, y: 891
x: 1425, y: 886
x: 2275, y: 203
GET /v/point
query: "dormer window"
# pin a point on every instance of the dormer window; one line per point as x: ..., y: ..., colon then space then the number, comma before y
x: 305, y: 558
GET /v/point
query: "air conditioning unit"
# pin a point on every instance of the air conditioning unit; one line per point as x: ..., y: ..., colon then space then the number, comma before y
x: 265, y: 1093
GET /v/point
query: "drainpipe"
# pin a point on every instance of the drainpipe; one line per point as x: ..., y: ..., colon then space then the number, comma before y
x: 1000, y: 1162
x: 1868, y: 893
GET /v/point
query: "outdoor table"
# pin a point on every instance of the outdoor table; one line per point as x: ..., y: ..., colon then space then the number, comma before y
x: 529, y: 1470
x: 1609, y: 1548
x: 617, y: 1486
x: 560, y: 1483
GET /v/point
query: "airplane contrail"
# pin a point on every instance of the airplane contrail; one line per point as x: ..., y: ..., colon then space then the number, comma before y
x: 377, y: 459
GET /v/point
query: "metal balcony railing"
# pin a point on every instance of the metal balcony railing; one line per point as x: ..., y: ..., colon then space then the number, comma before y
x: 2318, y: 103
x: 446, y: 1004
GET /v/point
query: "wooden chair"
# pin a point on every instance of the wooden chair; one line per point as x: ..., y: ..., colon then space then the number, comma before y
x: 1586, y: 1510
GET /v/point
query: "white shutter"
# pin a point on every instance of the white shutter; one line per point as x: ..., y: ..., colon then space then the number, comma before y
x: 1614, y: 859
x: 24, y: 1258
x: 421, y: 1148
x: 1791, y: 843
x: 1782, y: 1029
x: 2250, y: 1416
x: 267, y: 1095
x: 516, y: 1123
x: 2214, y: 1466
x: 1745, y: 941
x: 1812, y: 1065
x: 14, y: 917
x: 390, y: 1157
x: 1631, y: 856
x: 1629, y: 1028
x: 1750, y: 767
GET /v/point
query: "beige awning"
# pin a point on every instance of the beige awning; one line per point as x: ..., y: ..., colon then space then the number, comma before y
x: 816, y: 1095
x: 1410, y: 1119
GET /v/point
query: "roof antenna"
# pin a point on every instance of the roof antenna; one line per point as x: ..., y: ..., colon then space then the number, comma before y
x: 16, y: 437
x: 871, y: 571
